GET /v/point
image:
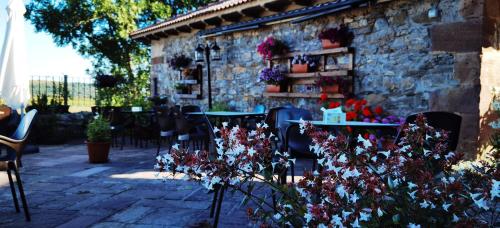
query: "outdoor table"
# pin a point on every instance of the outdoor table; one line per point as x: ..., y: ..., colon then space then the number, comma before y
x: 229, y: 115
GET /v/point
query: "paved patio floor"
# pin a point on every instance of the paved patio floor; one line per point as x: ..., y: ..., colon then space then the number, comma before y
x: 64, y: 190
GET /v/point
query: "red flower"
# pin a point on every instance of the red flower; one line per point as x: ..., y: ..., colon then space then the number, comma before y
x: 351, y: 116
x: 349, y: 129
x: 378, y: 110
x: 366, y: 136
x: 323, y: 97
x: 350, y: 102
x: 363, y: 102
x: 334, y: 104
x: 367, y: 112
x: 357, y: 106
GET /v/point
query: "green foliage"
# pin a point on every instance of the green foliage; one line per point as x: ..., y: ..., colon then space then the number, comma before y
x: 99, y: 29
x: 99, y: 130
x: 220, y: 107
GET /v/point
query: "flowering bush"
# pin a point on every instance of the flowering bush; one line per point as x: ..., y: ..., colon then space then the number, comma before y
x: 359, y: 110
x: 271, y: 47
x: 412, y: 184
x: 271, y: 76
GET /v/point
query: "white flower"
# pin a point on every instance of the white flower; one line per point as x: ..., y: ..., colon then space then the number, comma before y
x: 455, y: 218
x: 411, y: 185
x: 355, y: 224
x: 308, y: 216
x: 411, y: 225
x: 345, y: 214
x: 424, y: 204
x: 437, y: 156
x: 446, y: 206
x: 225, y: 124
x: 412, y: 194
x: 277, y: 216
x: 342, y: 159
x: 427, y: 152
x: 364, y: 216
x: 449, y: 155
x: 495, y: 189
x: 251, y: 151
x: 366, y: 142
x: 354, y: 197
x: 175, y: 146
x: 385, y: 153
x: 336, y: 220
x: 341, y: 191
x: 379, y: 212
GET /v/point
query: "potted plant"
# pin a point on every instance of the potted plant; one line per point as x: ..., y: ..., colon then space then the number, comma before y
x: 181, y: 88
x: 271, y: 47
x: 304, y: 64
x: 179, y: 61
x: 98, y: 140
x: 273, y: 78
x: 328, y: 84
x: 336, y: 37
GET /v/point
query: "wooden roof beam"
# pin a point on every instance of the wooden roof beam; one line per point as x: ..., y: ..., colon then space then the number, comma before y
x: 232, y: 17
x: 162, y: 34
x: 253, y: 12
x: 198, y: 25
x: 184, y: 28
x: 214, y: 21
x: 172, y: 32
x: 277, y: 6
x: 304, y: 2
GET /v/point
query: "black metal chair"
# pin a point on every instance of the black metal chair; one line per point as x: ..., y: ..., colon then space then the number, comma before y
x: 15, y: 145
x: 296, y: 144
x: 166, y: 124
x: 447, y: 121
x: 118, y: 123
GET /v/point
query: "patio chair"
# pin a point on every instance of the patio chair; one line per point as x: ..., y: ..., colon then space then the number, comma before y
x: 118, y: 122
x: 188, y: 131
x: 296, y: 144
x: 447, y: 121
x: 15, y: 145
x: 166, y: 125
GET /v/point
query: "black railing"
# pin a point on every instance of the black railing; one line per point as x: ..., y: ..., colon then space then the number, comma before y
x: 64, y: 90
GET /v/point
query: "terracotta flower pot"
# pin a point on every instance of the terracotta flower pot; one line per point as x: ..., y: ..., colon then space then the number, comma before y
x: 327, y: 44
x: 98, y: 151
x: 273, y: 88
x: 300, y: 68
x: 330, y: 89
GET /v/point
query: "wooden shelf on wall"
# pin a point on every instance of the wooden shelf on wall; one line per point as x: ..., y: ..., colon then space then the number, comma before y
x: 188, y: 96
x: 337, y: 73
x: 302, y: 95
x: 332, y: 51
x: 187, y: 82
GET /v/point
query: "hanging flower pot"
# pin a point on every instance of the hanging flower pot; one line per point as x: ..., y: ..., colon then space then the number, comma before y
x: 330, y: 88
x: 271, y: 88
x: 300, y: 68
x: 328, y: 44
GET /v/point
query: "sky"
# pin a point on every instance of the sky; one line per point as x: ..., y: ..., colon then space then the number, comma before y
x: 44, y: 57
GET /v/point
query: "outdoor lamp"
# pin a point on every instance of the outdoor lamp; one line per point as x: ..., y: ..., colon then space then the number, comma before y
x: 433, y: 12
x: 216, y: 52
x: 199, y: 53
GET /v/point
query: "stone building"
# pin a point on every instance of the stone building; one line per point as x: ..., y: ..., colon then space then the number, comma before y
x: 409, y: 55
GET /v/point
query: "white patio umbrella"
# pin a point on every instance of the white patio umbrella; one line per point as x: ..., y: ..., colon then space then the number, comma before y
x: 14, y: 78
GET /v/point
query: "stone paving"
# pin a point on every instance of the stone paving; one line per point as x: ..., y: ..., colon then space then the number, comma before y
x: 64, y: 190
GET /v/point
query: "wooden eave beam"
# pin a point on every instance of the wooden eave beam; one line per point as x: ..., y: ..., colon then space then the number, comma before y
x: 214, y: 21
x: 232, y: 17
x: 304, y: 2
x: 198, y: 25
x: 277, y: 6
x: 184, y: 28
x: 253, y: 12
x: 172, y: 32
x: 162, y: 34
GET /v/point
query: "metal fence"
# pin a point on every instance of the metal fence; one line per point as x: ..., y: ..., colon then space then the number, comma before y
x: 81, y: 91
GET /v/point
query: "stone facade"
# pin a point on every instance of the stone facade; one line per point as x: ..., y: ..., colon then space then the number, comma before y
x: 404, y: 61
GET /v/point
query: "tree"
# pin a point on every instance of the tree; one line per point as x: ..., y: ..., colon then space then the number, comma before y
x: 99, y: 30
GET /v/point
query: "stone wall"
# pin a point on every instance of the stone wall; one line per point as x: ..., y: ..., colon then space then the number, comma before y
x: 60, y: 128
x: 404, y: 61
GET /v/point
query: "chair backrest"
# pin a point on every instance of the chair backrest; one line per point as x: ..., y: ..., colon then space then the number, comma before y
x: 297, y: 142
x: 447, y: 121
x: 190, y: 108
x: 25, y: 126
x: 286, y: 114
x: 260, y: 108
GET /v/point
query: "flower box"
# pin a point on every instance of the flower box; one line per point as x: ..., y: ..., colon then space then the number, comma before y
x: 300, y: 68
x: 328, y: 44
x: 330, y: 89
x: 273, y: 88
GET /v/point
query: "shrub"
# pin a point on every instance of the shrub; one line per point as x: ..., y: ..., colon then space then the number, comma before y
x: 99, y: 130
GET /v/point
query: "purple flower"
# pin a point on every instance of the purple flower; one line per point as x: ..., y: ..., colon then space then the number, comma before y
x: 271, y: 75
x: 366, y: 120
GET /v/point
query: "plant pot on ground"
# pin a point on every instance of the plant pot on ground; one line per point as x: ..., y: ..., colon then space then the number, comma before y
x: 98, y: 140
